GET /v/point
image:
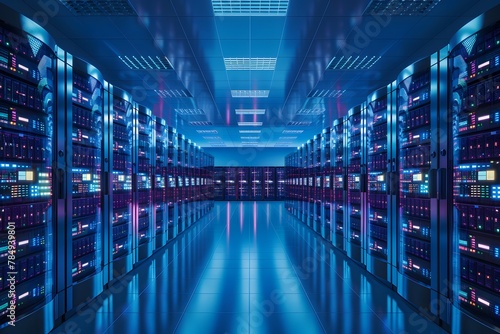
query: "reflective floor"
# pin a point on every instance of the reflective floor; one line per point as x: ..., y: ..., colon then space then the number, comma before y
x: 248, y: 267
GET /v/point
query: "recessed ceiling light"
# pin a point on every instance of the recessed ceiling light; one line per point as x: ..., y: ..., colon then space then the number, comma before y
x: 250, y: 64
x: 286, y: 138
x: 249, y: 123
x: 352, y: 63
x: 147, y: 63
x: 99, y: 7
x: 250, y: 131
x: 207, y: 131
x: 200, y: 123
x: 327, y: 93
x: 250, y: 138
x: 250, y: 7
x: 189, y: 112
x: 250, y: 111
x: 249, y: 93
x: 400, y: 7
x: 293, y: 131
x: 173, y: 93
x: 212, y: 138
x: 299, y: 123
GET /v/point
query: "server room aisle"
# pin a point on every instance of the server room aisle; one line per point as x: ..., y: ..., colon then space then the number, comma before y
x: 248, y: 267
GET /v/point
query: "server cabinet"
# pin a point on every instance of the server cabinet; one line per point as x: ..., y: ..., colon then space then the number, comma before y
x: 256, y: 178
x: 302, y: 174
x: 219, y: 183
x: 317, y: 183
x: 181, y: 189
x: 474, y: 81
x: 417, y: 219
x: 231, y: 184
x: 172, y: 208
x: 144, y: 151
x: 119, y: 132
x: 280, y: 183
x: 270, y: 183
x: 356, y: 188
x: 85, y: 254
x: 28, y: 123
x: 190, y: 182
x: 378, y: 161
x: 326, y: 190
x: 159, y: 183
x: 243, y: 184
x: 339, y: 182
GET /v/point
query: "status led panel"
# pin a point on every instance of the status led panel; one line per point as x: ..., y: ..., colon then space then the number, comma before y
x: 414, y: 126
x: 475, y: 99
x: 27, y: 72
x: 377, y: 143
x: 338, y: 154
x: 144, y: 157
x: 87, y: 151
x: 160, y: 181
x: 121, y: 224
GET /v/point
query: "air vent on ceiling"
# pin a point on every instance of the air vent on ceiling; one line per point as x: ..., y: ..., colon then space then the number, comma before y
x: 99, y: 7
x: 293, y: 131
x: 249, y: 123
x: 250, y: 7
x: 352, y: 63
x: 250, y: 111
x: 311, y: 111
x: 327, y: 93
x: 249, y: 93
x: 200, y: 123
x: 250, y: 64
x: 299, y: 123
x: 147, y: 63
x: 250, y: 131
x: 190, y: 112
x: 173, y: 93
x: 400, y: 7
x: 207, y: 131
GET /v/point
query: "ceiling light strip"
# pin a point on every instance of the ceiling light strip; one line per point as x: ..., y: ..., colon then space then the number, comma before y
x: 250, y: 7
x: 249, y: 123
x: 250, y: 111
x: 249, y: 93
x: 250, y: 64
x: 250, y: 131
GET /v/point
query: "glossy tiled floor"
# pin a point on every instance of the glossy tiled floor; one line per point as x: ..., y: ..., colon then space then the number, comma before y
x: 248, y: 268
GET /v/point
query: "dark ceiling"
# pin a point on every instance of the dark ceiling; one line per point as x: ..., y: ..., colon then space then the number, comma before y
x: 316, y: 59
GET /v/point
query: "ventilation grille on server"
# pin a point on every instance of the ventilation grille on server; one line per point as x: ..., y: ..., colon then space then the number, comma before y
x: 400, y: 7
x: 99, y: 7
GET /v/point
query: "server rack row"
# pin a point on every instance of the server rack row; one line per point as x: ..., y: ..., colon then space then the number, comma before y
x: 249, y: 183
x: 408, y: 183
x: 91, y: 182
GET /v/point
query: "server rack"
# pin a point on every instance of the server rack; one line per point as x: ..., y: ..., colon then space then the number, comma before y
x: 29, y: 118
x: 317, y: 183
x: 119, y: 132
x: 339, y: 182
x: 256, y: 180
x: 326, y: 189
x: 474, y: 81
x: 231, y: 184
x: 243, y: 183
x: 417, y: 219
x: 378, y: 220
x: 181, y: 186
x: 270, y: 183
x: 219, y: 183
x: 280, y: 183
x: 172, y: 210
x: 159, y: 184
x: 144, y: 231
